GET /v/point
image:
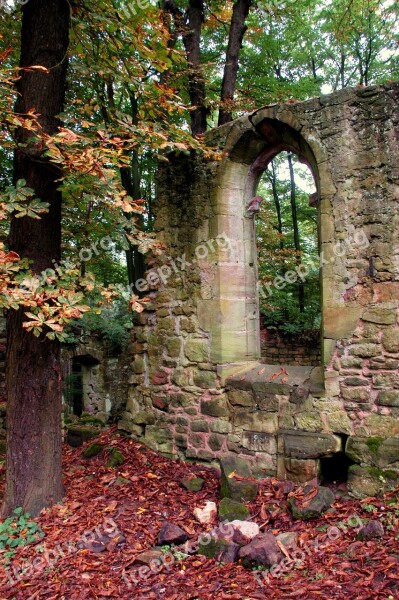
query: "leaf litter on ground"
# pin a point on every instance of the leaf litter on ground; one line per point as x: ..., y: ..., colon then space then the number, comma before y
x: 110, y: 516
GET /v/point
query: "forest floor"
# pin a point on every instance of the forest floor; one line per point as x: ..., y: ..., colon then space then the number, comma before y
x: 133, y: 500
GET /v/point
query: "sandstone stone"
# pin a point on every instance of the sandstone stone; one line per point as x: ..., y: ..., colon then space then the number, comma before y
x: 260, y: 421
x: 241, y: 398
x: 192, y: 484
x: 389, y: 398
x: 205, y: 379
x: 220, y: 426
x: 247, y: 529
x: 263, y: 550
x: 301, y: 470
x: 237, y: 489
x: 197, y: 350
x: 200, y: 425
x: 382, y: 316
x: 365, y: 482
x: 339, y: 422
x: 92, y: 450
x: 215, y: 442
x: 206, y: 514
x: 171, y: 534
x: 386, y: 380
x: 221, y: 550
x: 372, y: 529
x: 382, y: 425
x: 309, y: 421
x: 317, y: 505
x: 159, y: 439
x: 259, y: 442
x: 150, y: 557
x: 356, y: 394
x: 390, y: 340
x: 311, y: 445
x: 356, y: 381
x: 375, y: 451
x: 289, y: 540
x: 230, y: 510
x: 365, y: 350
x: 174, y: 346
x: 216, y: 407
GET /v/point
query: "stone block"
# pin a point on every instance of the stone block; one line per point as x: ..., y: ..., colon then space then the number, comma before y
x: 241, y: 398
x: 216, y: 407
x: 339, y: 422
x: 309, y: 421
x: 300, y: 470
x: 237, y: 489
x: 260, y: 421
x: 205, y: 379
x: 382, y: 425
x: 381, y: 316
x: 389, y: 398
x: 390, y: 340
x: 174, y: 346
x: 374, y: 451
x: 365, y: 350
x: 200, y: 425
x: 310, y: 445
x: 259, y: 442
x: 197, y: 350
x: 365, y: 482
x: 220, y: 426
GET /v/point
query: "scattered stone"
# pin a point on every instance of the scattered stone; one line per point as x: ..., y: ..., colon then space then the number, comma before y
x: 102, y: 542
x: 231, y: 510
x: 116, y: 459
x: 171, y: 534
x: 193, y: 484
x: 313, y: 508
x: 92, y: 450
x: 149, y: 557
x: 243, y: 531
x: 353, y: 549
x: 288, y: 539
x: 219, y: 549
x: 77, y: 435
x: 243, y: 489
x: 373, y: 529
x: 207, y: 514
x: 262, y: 550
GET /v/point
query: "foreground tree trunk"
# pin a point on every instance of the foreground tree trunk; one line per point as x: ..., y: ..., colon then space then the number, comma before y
x: 33, y: 379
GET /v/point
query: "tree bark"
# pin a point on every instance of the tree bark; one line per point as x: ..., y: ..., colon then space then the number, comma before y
x: 301, y: 290
x: 190, y: 24
x: 33, y: 376
x: 236, y: 35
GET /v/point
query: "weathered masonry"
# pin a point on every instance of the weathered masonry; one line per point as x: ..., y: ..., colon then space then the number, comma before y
x: 197, y: 387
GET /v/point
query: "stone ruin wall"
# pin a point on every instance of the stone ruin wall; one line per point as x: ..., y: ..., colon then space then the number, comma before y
x: 198, y: 338
x: 277, y: 349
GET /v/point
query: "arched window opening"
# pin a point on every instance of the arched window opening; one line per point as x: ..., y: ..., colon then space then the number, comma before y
x: 288, y: 263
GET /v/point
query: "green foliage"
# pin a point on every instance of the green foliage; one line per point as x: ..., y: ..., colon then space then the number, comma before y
x: 18, y: 530
x: 279, y: 304
x: 112, y: 324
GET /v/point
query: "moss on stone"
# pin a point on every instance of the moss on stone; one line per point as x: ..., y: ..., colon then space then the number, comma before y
x: 116, y: 459
x: 229, y: 510
x: 92, y: 450
x: 374, y: 443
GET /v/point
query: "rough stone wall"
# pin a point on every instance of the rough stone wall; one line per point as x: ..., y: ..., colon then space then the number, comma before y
x: 105, y: 377
x: 276, y: 349
x: 197, y: 388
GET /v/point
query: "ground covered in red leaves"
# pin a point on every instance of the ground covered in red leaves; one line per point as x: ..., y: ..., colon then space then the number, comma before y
x: 137, y: 497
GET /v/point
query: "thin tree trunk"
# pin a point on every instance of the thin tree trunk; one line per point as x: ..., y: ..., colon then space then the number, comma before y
x: 236, y: 35
x: 33, y: 376
x: 301, y: 291
x: 277, y: 205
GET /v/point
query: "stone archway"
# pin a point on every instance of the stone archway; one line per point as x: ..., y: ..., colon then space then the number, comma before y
x: 235, y: 327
